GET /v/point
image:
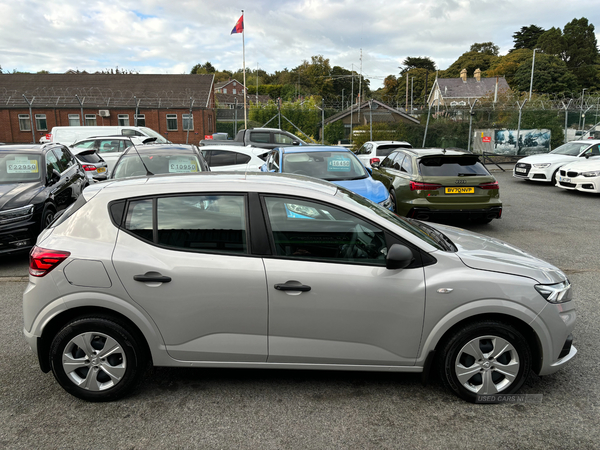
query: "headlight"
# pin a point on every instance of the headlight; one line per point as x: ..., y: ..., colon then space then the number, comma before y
x: 387, y: 203
x: 541, y: 166
x: 14, y: 215
x: 591, y: 174
x: 555, y: 293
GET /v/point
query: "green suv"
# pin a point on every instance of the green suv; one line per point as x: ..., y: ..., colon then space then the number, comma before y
x: 432, y: 183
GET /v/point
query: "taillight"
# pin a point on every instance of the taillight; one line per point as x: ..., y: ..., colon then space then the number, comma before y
x: 374, y: 160
x: 42, y: 261
x: 88, y: 168
x: 493, y: 185
x: 415, y: 186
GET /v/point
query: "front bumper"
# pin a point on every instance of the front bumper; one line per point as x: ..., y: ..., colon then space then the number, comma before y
x: 579, y: 183
x: 18, y: 237
x: 529, y: 172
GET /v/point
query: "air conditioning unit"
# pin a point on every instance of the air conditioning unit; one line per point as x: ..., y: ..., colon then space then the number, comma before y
x: 104, y: 113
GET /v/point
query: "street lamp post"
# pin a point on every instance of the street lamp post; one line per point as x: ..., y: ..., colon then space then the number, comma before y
x: 582, y: 113
x: 532, y: 67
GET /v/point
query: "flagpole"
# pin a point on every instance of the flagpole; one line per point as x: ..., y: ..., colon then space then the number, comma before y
x: 244, y: 70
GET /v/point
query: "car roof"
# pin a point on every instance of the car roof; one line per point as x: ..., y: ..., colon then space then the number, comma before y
x: 34, y: 148
x: 231, y: 180
x: 387, y: 142
x: 313, y: 148
x: 234, y: 148
x: 585, y: 141
x: 159, y: 149
x: 421, y: 152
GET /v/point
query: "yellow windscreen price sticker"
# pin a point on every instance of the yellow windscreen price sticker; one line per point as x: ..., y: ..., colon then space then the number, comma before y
x: 460, y: 190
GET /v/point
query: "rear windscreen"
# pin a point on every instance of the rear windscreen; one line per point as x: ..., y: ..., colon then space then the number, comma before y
x: 89, y: 157
x: 385, y: 150
x: 450, y: 166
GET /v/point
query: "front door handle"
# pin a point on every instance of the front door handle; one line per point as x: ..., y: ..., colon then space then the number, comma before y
x: 292, y: 287
x: 152, y: 277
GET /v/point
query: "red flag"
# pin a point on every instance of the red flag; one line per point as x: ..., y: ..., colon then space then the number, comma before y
x: 239, y: 26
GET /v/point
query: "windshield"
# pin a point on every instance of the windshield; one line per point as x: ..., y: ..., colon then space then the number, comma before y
x: 159, y: 137
x: 425, y: 233
x: 131, y: 165
x: 330, y: 166
x: 19, y: 168
x: 570, y: 148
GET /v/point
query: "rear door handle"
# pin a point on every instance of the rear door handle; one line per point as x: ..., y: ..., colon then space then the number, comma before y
x: 152, y: 277
x: 292, y: 287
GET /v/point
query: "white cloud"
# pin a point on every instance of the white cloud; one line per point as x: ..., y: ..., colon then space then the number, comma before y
x: 171, y: 37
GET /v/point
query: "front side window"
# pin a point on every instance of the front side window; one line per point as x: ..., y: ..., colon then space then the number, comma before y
x: 40, y: 122
x: 90, y: 120
x: 172, y: 122
x: 216, y: 158
x: 65, y: 160
x: 187, y: 122
x: 74, y: 120
x: 24, y: 122
x: 123, y: 120
x: 308, y: 230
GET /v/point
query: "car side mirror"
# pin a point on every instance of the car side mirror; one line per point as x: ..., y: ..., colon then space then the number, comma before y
x: 295, y: 143
x: 399, y: 257
x: 376, y: 164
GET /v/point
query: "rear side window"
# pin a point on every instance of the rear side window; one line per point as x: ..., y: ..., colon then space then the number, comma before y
x: 204, y: 223
x: 261, y: 137
x: 451, y: 166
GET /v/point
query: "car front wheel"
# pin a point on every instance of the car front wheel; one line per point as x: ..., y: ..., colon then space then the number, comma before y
x: 485, y: 359
x: 96, y: 359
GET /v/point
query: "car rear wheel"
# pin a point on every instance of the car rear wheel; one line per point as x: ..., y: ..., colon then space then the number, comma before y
x: 485, y: 358
x: 96, y: 359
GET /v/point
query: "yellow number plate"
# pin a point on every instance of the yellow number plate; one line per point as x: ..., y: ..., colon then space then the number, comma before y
x: 460, y: 190
x: 101, y: 169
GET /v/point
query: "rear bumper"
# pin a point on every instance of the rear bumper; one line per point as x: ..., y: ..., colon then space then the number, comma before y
x: 419, y: 213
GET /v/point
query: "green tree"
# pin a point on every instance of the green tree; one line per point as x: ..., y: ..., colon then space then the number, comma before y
x: 203, y: 69
x: 334, y: 132
x: 527, y: 37
x: 507, y: 65
x: 551, y: 75
x: 487, y: 48
x: 413, y: 62
x: 582, y: 50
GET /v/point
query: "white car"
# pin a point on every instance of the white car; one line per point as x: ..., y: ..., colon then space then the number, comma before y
x: 581, y: 176
x: 544, y: 167
x: 234, y: 158
x: 376, y: 151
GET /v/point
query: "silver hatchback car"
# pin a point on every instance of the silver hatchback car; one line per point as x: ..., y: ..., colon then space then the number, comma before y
x: 281, y: 271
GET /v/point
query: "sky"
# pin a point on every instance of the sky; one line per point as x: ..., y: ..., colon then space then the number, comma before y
x: 170, y: 37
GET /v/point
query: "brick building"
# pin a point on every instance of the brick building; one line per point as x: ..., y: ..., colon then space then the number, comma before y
x: 31, y: 104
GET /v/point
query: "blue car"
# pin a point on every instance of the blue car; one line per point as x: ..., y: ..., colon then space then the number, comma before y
x: 334, y: 164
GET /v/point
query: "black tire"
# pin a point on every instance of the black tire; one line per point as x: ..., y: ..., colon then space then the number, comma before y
x: 514, y: 363
x: 47, y: 217
x: 553, y: 182
x: 91, y: 380
x: 393, y: 199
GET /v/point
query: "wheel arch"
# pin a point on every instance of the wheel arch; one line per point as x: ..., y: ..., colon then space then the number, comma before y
x: 523, y: 327
x: 60, y: 320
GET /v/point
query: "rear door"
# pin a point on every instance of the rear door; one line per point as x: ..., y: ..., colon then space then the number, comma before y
x: 186, y: 261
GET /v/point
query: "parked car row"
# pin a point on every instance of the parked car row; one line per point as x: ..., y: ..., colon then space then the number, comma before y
x: 573, y: 166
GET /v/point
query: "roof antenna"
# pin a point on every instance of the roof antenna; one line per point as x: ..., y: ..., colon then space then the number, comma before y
x: 148, y: 173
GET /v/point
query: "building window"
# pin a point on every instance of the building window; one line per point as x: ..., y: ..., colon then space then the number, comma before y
x: 123, y: 120
x: 24, y: 122
x: 40, y: 122
x: 224, y: 90
x: 234, y: 91
x: 74, y: 120
x: 187, y: 121
x: 171, y: 122
x: 90, y: 120
x: 234, y: 85
x: 140, y: 120
x: 210, y: 124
